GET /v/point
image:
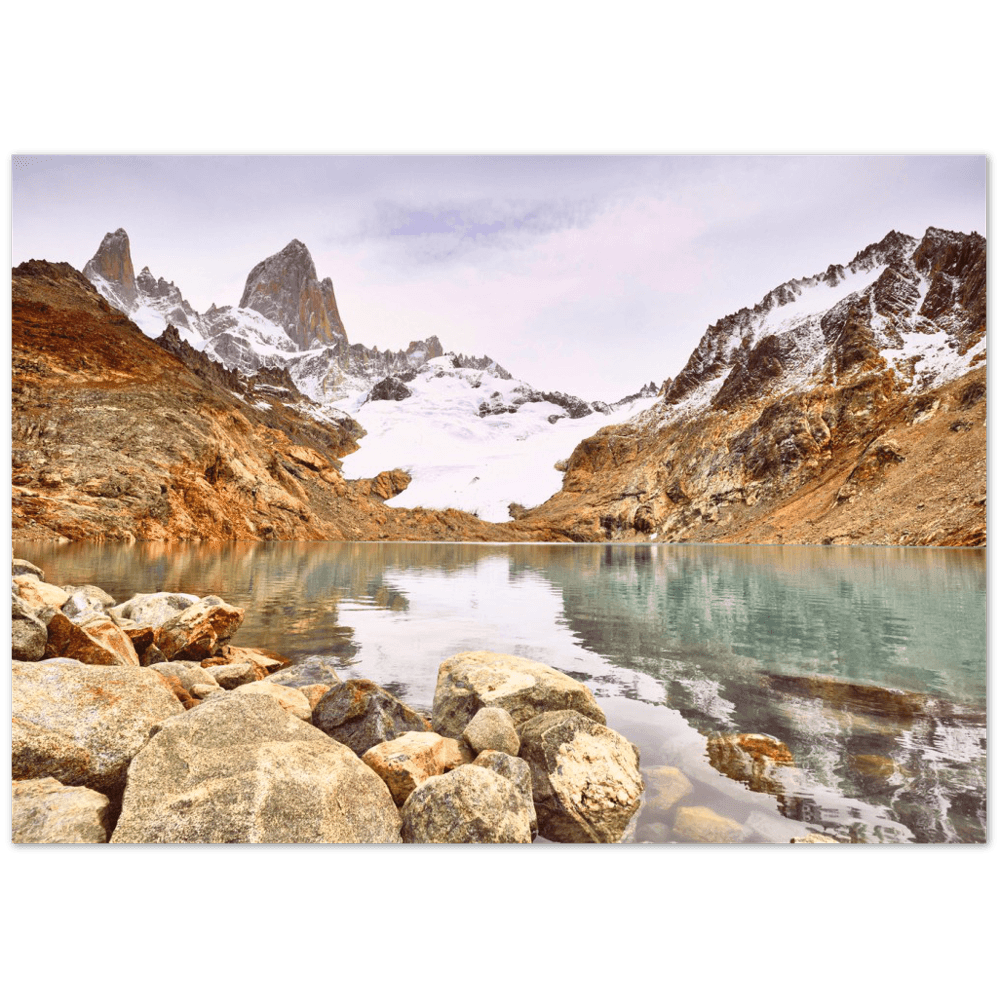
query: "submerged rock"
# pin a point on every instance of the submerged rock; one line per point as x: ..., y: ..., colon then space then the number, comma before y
x: 665, y: 787
x: 751, y: 758
x: 705, y: 826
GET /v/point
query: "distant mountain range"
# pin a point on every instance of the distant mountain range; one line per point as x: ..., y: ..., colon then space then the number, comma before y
x: 843, y: 408
x: 286, y: 318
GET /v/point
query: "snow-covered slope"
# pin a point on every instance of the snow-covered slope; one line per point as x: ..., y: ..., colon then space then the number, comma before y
x: 917, y: 307
x: 472, y: 438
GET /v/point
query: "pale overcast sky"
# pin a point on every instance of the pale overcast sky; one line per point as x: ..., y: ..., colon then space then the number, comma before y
x: 590, y: 274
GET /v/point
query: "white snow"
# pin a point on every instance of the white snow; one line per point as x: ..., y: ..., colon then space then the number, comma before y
x: 459, y: 459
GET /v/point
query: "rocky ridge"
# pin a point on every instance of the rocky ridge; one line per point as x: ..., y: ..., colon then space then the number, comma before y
x: 287, y: 320
x: 115, y: 437
x: 844, y: 408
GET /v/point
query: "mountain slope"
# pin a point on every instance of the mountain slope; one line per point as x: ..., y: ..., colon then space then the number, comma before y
x: 113, y: 437
x: 845, y: 408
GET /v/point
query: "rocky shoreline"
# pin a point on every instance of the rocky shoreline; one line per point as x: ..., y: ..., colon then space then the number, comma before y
x: 141, y: 722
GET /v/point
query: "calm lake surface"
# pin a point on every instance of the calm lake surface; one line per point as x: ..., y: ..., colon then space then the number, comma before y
x: 680, y: 644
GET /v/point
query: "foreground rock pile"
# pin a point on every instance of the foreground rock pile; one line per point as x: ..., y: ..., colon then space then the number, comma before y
x: 140, y: 722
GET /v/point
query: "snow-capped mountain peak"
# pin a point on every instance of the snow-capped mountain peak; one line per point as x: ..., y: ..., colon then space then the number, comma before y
x: 897, y: 303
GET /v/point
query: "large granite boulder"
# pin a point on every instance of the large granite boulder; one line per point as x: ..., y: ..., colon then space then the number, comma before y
x: 154, y: 609
x: 410, y: 759
x: 470, y: 805
x: 361, y: 714
x: 243, y: 770
x: 83, y: 723
x: 199, y: 631
x: 471, y: 681
x: 44, y: 811
x: 92, y: 639
x: 585, y: 777
x: 518, y: 773
x: 28, y: 634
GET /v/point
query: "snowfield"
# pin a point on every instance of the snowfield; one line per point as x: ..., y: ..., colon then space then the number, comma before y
x: 459, y: 459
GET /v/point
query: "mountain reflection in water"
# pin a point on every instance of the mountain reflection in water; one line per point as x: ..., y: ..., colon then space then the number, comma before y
x: 868, y: 664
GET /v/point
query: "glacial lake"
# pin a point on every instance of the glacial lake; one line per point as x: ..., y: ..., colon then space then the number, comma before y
x: 868, y: 664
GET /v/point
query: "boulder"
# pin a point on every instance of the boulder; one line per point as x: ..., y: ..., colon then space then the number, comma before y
x: 141, y: 637
x: 181, y: 693
x: 83, y: 723
x: 361, y: 714
x: 28, y: 634
x: 409, y: 760
x: 199, y: 631
x: 665, y: 787
x: 470, y: 805
x: 37, y: 594
x: 311, y: 670
x: 263, y: 658
x: 471, y: 681
x: 455, y: 753
x: 188, y: 672
x: 518, y: 773
x: 21, y: 567
x: 233, y: 675
x: 288, y: 698
x: 492, y: 728
x: 751, y: 758
x: 154, y: 609
x: 85, y: 600
x: 313, y: 692
x: 243, y: 770
x: 705, y: 826
x: 93, y: 639
x: 585, y: 777
x: 45, y: 811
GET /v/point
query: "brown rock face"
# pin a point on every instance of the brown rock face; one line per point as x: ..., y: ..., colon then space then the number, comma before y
x: 284, y: 288
x: 113, y: 262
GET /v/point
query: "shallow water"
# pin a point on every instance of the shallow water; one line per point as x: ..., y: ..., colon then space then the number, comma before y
x: 680, y: 644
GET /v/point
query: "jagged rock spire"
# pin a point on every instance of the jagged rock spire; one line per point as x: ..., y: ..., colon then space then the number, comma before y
x: 113, y: 263
x: 285, y: 290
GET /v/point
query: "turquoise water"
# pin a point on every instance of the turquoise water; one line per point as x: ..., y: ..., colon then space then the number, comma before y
x: 681, y: 645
